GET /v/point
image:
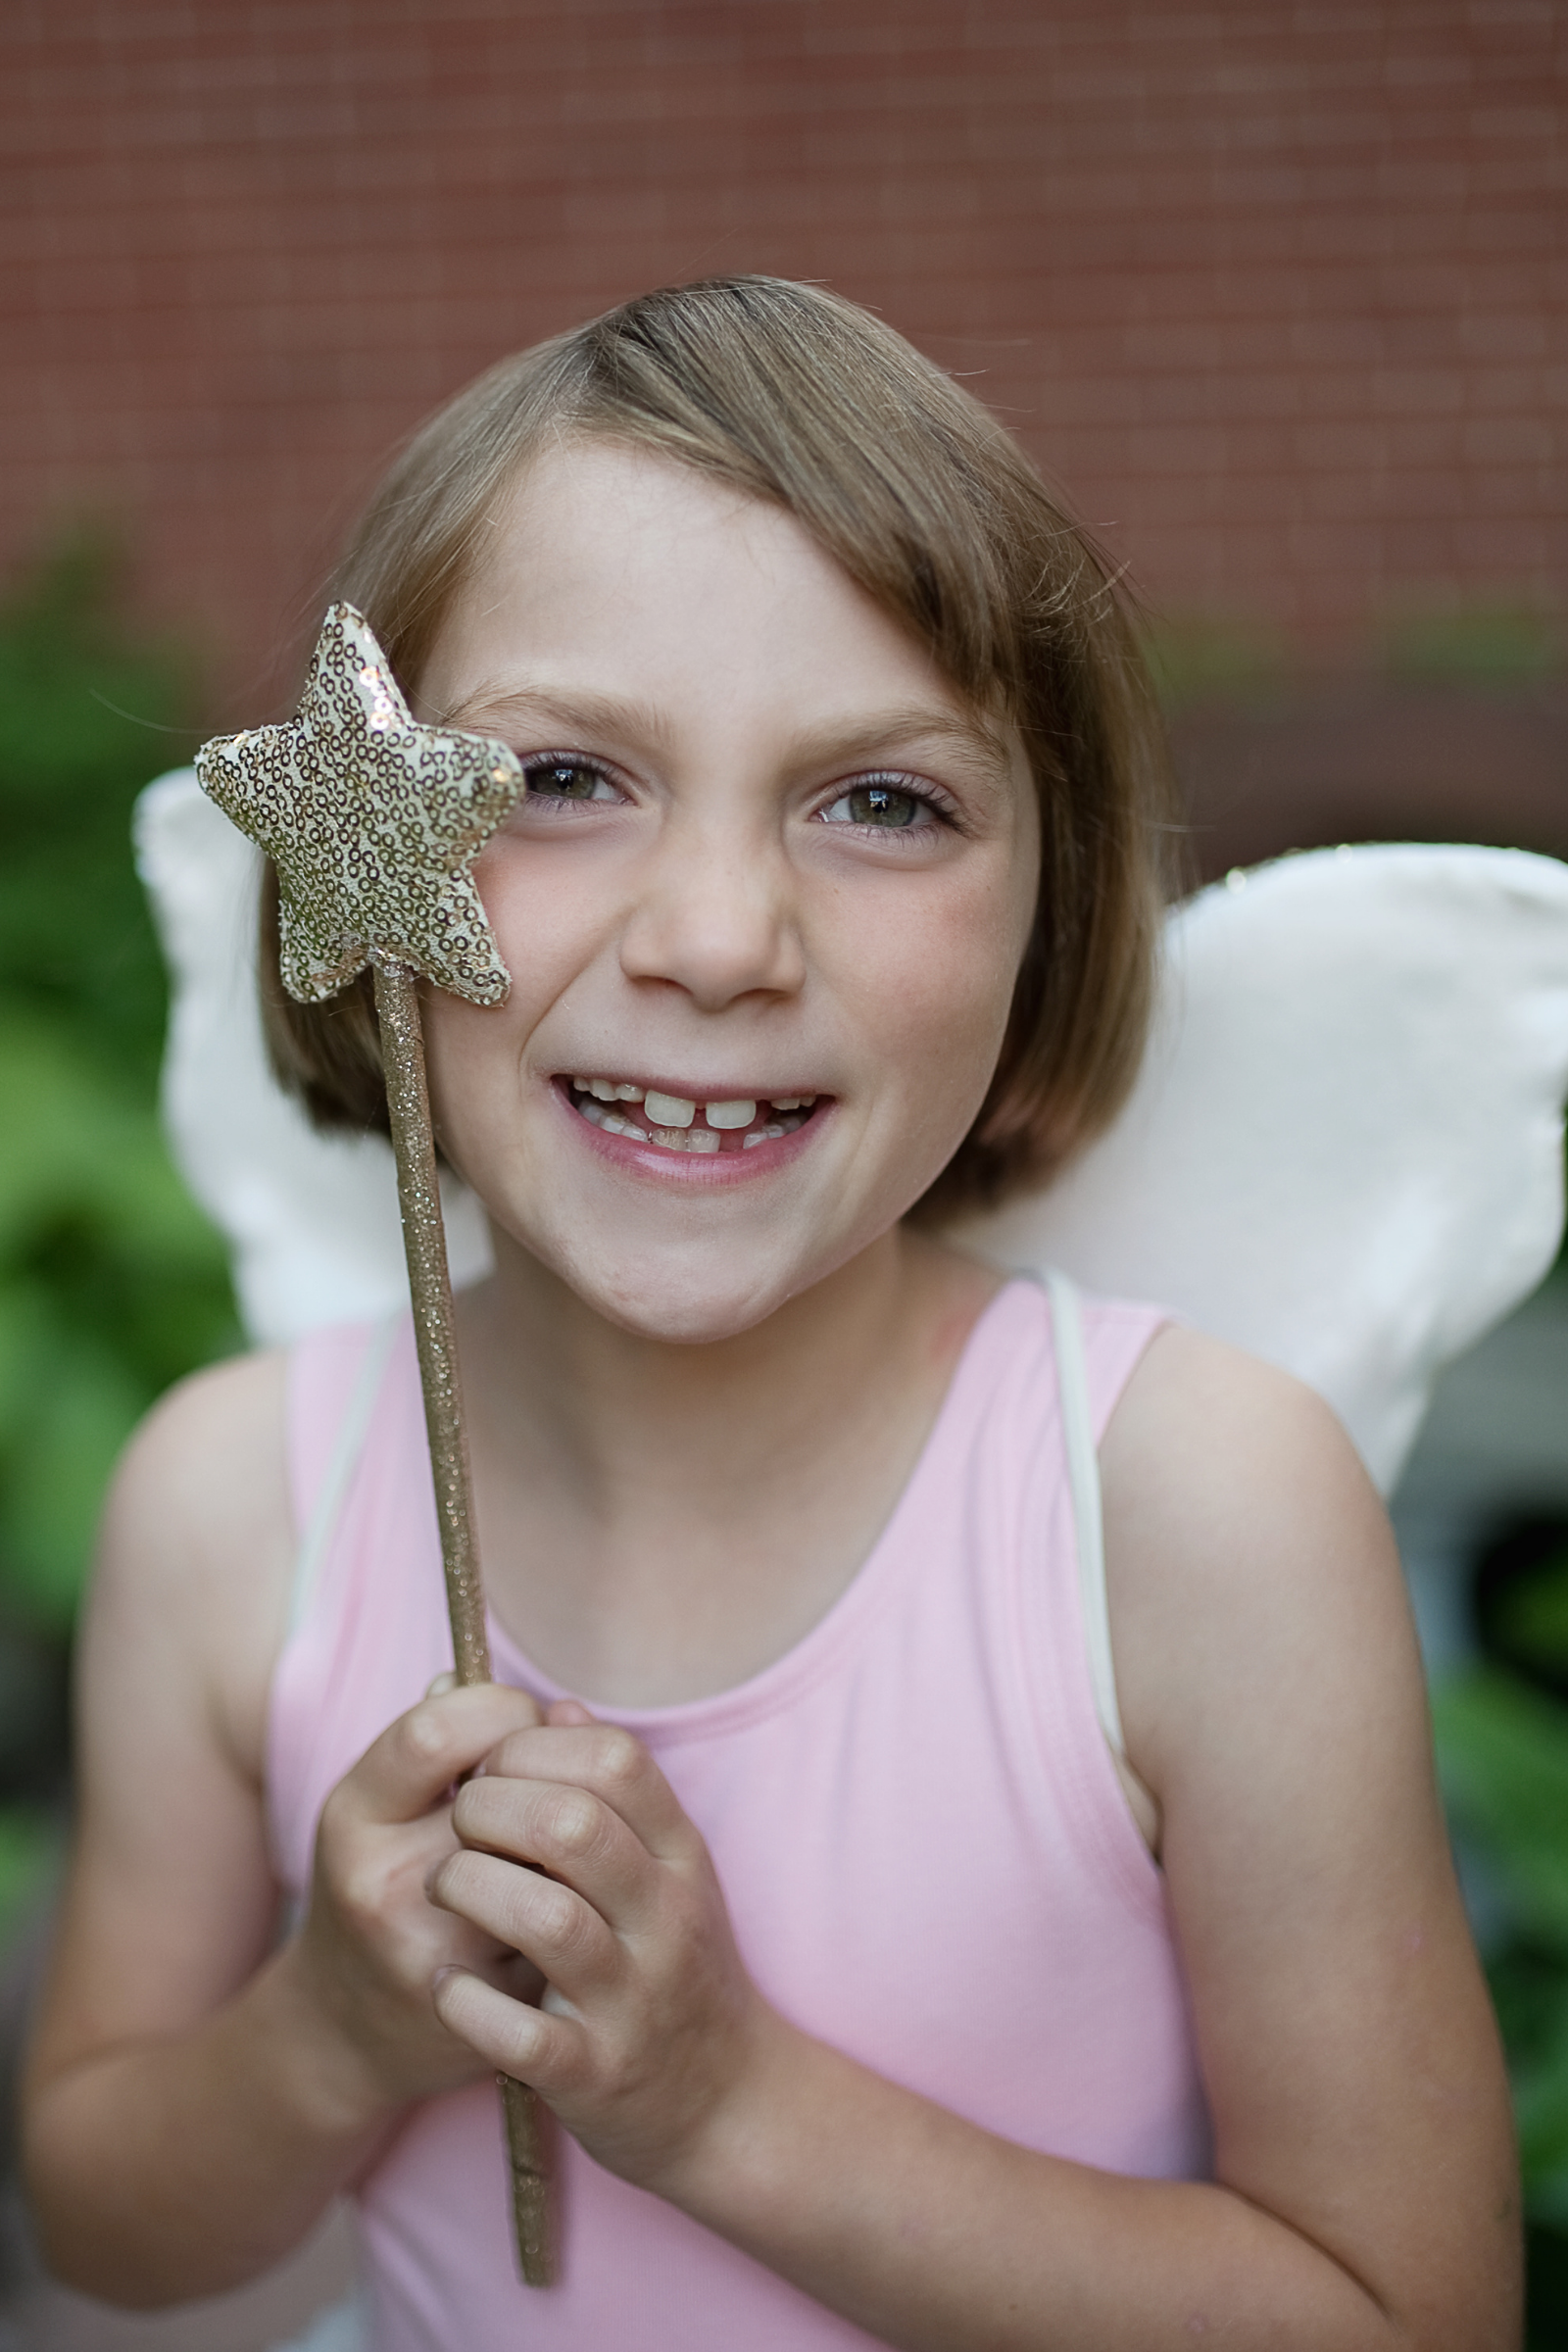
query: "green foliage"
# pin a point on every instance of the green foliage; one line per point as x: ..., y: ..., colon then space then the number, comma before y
x: 86, y: 716
x: 29, y: 1851
x: 1479, y: 645
x: 1502, y: 1746
x: 1199, y: 657
x: 1530, y: 1620
x: 111, y: 1285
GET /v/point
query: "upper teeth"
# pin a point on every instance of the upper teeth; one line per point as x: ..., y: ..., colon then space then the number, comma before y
x: 678, y: 1111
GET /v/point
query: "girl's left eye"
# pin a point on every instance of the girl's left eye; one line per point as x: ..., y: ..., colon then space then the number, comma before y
x: 566, y: 780
x: 884, y: 808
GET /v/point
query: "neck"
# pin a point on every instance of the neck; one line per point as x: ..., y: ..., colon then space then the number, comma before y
x: 628, y: 1486
x: 612, y: 1409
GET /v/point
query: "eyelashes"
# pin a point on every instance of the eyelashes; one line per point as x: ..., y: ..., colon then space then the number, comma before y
x: 886, y: 804
x: 566, y: 778
x: 889, y: 804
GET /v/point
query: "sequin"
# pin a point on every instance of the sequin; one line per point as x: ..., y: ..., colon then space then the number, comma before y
x: 372, y: 822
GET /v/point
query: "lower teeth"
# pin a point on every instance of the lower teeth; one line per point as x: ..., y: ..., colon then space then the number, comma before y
x: 683, y: 1138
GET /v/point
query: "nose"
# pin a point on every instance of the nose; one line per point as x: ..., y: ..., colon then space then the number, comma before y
x: 716, y: 917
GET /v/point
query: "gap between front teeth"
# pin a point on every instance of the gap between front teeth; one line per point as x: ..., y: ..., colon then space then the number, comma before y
x: 594, y: 1107
x: 673, y: 1114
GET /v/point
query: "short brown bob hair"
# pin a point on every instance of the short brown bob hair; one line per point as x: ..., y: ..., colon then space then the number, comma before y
x: 795, y: 396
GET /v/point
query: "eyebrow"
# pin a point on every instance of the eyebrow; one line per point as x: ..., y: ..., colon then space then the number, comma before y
x: 604, y: 714
x: 587, y: 712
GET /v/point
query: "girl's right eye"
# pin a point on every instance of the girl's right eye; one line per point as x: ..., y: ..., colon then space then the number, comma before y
x: 563, y: 777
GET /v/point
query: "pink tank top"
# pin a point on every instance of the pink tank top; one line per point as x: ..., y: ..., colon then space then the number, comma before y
x: 927, y: 1855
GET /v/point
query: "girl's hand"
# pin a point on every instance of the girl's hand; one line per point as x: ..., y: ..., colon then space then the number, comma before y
x: 371, y: 1940
x: 575, y: 1853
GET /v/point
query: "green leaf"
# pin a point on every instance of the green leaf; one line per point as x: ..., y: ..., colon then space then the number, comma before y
x: 87, y: 717
x: 1531, y: 1617
x: 1502, y: 1750
x: 31, y: 1843
x: 1541, y: 2108
x: 1505, y: 645
x: 112, y: 1284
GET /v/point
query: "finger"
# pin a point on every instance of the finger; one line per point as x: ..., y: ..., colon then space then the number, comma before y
x: 568, y: 1831
x: 416, y: 1759
x: 544, y: 2049
x: 443, y: 1683
x: 615, y: 1765
x: 548, y: 1924
x: 568, y: 1710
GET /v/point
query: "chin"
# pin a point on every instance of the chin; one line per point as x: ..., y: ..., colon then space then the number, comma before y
x: 686, y: 1313
x: 689, y: 1298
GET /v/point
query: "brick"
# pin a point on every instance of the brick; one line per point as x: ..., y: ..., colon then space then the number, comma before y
x: 1235, y: 271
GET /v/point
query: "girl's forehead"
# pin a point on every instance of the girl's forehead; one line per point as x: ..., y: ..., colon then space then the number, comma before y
x: 593, y: 504
x: 577, y: 472
x: 610, y: 570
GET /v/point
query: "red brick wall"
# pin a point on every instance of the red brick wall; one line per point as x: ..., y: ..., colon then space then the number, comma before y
x: 1278, y: 292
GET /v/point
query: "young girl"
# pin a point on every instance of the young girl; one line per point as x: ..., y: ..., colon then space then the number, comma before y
x: 902, y: 1964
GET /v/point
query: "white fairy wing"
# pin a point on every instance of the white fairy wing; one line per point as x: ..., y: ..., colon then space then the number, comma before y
x: 1343, y: 1153
x: 1344, y: 1150
x: 311, y: 1220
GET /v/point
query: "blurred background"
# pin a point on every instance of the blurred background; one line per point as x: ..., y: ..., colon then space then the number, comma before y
x: 1277, y: 295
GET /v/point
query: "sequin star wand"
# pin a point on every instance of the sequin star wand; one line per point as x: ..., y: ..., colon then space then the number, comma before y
x: 372, y: 823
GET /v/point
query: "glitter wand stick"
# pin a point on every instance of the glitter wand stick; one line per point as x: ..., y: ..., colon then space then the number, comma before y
x: 372, y: 823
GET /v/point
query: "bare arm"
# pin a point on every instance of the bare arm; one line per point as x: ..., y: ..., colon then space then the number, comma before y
x: 1363, y: 2194
x: 194, y: 2098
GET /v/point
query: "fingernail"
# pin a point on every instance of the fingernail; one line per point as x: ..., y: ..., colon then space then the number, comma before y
x: 441, y: 1686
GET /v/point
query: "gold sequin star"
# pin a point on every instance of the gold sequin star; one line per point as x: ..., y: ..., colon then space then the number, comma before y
x: 372, y: 823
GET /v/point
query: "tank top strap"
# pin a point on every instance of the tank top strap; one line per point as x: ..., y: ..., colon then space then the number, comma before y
x: 357, y: 1650
x: 1083, y: 1485
x: 321, y: 1518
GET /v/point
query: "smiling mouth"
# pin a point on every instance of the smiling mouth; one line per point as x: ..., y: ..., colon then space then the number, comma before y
x: 675, y: 1123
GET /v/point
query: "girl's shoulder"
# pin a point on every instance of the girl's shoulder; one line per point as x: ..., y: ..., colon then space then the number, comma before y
x: 209, y: 1461
x: 1207, y: 1442
x: 1249, y: 1559
x: 197, y: 1543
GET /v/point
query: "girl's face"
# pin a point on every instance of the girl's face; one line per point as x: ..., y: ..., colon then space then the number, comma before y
x: 763, y: 901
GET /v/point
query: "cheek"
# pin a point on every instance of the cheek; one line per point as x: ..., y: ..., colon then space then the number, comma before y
x: 937, y: 981
x: 547, y: 934
x: 471, y: 1061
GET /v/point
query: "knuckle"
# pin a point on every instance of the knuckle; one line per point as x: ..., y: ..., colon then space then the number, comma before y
x: 422, y: 1734
x: 556, y: 1912
x: 558, y: 1925
x: 617, y: 1758
x: 572, y: 1822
